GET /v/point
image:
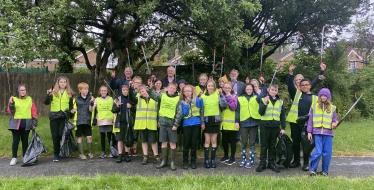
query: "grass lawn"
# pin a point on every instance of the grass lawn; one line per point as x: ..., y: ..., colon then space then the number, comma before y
x: 351, y: 139
x: 117, y: 181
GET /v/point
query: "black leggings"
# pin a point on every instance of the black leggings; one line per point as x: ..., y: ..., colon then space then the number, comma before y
x: 102, y: 139
x: 229, y: 137
x: 18, y: 135
x: 57, y: 128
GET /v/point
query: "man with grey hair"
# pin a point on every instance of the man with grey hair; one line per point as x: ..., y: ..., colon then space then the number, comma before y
x: 170, y: 76
x: 125, y: 80
x: 238, y: 86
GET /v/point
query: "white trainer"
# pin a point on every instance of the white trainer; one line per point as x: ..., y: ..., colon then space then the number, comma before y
x: 13, y: 161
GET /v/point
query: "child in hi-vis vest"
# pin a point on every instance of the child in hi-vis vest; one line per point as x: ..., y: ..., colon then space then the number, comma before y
x: 272, y: 116
x: 322, y: 121
x: 83, y: 117
x: 103, y: 105
x: 168, y: 124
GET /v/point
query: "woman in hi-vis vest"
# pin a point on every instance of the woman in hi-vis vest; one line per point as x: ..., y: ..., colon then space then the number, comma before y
x: 22, y: 119
x: 212, y: 119
x: 60, y: 99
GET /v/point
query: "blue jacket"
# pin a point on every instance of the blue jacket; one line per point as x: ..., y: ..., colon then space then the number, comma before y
x: 194, y: 120
x: 117, y: 84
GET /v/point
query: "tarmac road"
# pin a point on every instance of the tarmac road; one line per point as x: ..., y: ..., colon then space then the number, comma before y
x: 340, y: 166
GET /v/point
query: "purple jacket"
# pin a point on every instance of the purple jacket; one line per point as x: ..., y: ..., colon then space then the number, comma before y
x: 319, y: 131
x: 231, y: 101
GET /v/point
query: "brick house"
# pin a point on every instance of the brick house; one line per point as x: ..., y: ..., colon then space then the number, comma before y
x: 81, y: 63
x: 356, y: 59
x: 40, y: 63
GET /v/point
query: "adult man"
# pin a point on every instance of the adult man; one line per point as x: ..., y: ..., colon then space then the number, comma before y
x: 125, y: 80
x: 170, y: 76
x: 238, y: 85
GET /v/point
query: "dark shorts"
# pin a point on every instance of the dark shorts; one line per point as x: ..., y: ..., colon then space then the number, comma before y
x: 120, y: 136
x: 167, y: 134
x: 83, y: 130
x: 148, y: 135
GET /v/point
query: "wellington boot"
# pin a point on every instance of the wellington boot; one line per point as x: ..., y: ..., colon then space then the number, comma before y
x: 164, y: 162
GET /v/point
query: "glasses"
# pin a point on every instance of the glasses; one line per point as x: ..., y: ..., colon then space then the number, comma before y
x: 22, y: 90
x: 227, y: 88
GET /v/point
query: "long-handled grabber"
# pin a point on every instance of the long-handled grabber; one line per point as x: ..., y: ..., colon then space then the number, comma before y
x: 275, y: 72
x: 262, y: 54
x: 128, y: 57
x: 350, y: 109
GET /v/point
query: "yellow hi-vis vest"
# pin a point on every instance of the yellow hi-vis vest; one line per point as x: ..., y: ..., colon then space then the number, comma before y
x: 211, y: 104
x: 76, y: 114
x: 60, y: 103
x: 168, y: 106
x: 194, y: 110
x: 198, y: 89
x: 248, y: 108
x: 322, y: 118
x: 23, y: 107
x: 293, y: 114
x: 146, y: 115
x: 228, y: 120
x: 104, y: 108
x: 272, y: 112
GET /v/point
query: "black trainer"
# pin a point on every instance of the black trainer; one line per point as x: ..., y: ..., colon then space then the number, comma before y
x: 119, y: 158
x: 224, y: 159
x: 230, y: 162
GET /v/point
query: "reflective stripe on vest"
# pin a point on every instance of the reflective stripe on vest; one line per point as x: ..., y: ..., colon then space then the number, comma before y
x: 60, y: 103
x: 75, y: 118
x: 293, y: 114
x: 272, y: 111
x: 146, y: 115
x: 228, y: 120
x: 248, y: 108
x: 322, y: 118
x: 168, y: 106
x: 23, y: 107
x: 211, y: 105
x: 194, y: 110
x: 104, y: 108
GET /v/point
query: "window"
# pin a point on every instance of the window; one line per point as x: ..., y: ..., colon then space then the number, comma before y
x: 351, y: 65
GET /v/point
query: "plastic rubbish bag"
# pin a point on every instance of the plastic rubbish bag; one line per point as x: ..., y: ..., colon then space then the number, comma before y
x: 68, y: 144
x: 284, y: 151
x: 35, y: 148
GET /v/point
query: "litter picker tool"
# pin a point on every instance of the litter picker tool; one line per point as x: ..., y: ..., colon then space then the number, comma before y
x: 350, y: 109
x: 262, y: 54
x: 106, y: 84
x: 275, y: 72
x: 128, y: 57
x: 8, y: 77
x: 293, y: 48
x: 214, y: 62
x: 54, y: 79
x: 323, y: 34
x: 148, y: 71
x: 223, y: 58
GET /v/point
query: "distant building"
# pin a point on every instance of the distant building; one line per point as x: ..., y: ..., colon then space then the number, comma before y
x: 356, y: 59
x: 40, y: 63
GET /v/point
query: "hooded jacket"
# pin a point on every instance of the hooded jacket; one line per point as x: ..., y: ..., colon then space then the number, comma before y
x: 83, y: 111
x: 122, y: 110
x: 164, y: 120
x: 321, y: 131
x: 15, y: 124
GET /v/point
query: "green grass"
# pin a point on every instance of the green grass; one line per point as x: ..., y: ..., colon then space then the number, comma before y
x: 118, y: 181
x: 351, y: 139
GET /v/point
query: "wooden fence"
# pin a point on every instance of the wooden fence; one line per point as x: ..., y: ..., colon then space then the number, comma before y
x: 37, y: 85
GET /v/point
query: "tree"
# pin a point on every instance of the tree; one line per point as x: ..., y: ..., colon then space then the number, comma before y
x: 59, y: 27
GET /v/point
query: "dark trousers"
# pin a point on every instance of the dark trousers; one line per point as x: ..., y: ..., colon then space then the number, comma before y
x: 249, y: 133
x: 190, y: 137
x: 20, y: 135
x: 102, y: 139
x: 229, y: 138
x: 57, y: 128
x: 268, y: 138
x: 296, y: 139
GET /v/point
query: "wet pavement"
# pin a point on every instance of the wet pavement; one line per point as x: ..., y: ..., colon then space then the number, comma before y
x: 340, y: 166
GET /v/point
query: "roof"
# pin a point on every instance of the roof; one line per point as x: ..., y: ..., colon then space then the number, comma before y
x: 281, y: 56
x: 46, y: 60
x: 353, y: 51
x: 80, y: 55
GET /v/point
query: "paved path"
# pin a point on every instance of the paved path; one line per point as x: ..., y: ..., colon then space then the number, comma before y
x: 340, y: 166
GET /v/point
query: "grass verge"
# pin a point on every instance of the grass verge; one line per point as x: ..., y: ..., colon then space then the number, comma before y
x: 118, y: 181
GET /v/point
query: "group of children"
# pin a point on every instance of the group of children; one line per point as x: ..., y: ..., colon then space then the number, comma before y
x: 157, y: 113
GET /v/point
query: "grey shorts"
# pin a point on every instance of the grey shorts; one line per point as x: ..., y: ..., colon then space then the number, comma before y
x: 167, y: 134
x: 148, y: 135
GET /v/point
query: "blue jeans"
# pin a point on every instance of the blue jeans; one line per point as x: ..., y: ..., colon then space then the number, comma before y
x: 323, y: 148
